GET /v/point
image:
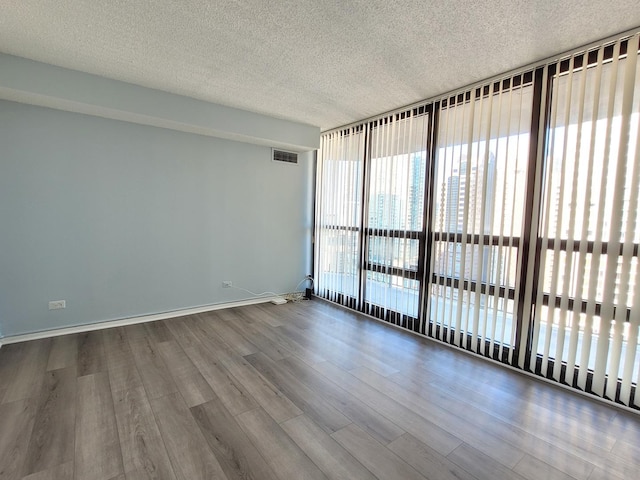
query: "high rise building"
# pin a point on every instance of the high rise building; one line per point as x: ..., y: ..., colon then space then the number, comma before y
x: 469, y: 208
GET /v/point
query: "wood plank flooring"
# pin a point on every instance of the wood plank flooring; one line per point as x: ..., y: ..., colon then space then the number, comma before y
x: 298, y: 391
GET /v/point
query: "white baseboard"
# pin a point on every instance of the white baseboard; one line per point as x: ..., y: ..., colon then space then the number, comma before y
x: 130, y: 321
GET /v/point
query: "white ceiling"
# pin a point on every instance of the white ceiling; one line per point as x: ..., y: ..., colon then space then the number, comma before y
x: 321, y: 62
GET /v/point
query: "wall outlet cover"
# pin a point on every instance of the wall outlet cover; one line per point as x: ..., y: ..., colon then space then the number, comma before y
x: 57, y: 304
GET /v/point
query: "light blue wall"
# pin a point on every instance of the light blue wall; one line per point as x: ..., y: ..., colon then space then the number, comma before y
x: 122, y: 220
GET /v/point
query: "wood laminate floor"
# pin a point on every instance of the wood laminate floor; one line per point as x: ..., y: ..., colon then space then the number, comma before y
x: 297, y: 391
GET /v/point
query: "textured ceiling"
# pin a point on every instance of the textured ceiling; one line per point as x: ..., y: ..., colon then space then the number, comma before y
x: 321, y: 62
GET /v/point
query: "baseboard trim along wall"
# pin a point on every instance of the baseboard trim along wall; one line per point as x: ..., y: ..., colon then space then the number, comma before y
x: 130, y: 320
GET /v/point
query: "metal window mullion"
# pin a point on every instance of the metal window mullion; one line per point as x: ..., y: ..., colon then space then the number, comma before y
x: 429, y: 215
x: 630, y: 358
x: 555, y: 181
x: 526, y: 278
x: 545, y: 188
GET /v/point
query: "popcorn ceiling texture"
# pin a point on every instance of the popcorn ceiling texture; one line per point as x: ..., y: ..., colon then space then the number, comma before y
x: 321, y: 62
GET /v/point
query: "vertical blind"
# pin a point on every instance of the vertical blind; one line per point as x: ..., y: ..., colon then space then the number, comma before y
x: 585, y: 322
x: 339, y: 216
x: 394, y: 216
x: 503, y: 219
x: 480, y: 181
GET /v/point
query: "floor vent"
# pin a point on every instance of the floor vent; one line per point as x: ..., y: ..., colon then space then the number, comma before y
x: 282, y: 156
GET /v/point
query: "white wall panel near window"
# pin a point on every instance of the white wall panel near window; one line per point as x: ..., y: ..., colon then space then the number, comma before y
x: 585, y: 327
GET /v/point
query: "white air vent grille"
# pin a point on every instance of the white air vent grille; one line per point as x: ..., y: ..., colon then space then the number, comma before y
x: 286, y: 157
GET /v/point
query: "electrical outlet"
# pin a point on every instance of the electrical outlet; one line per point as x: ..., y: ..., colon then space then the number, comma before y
x: 57, y: 304
x: 227, y: 284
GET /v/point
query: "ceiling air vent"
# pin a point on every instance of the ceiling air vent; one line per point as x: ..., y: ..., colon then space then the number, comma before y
x: 286, y: 157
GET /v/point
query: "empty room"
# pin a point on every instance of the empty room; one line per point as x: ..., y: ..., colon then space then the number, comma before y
x: 318, y: 239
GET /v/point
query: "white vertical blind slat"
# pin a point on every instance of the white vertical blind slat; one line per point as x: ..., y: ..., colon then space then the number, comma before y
x: 500, y: 306
x: 472, y: 191
x: 339, y: 178
x: 339, y: 152
x: 318, y: 253
x: 631, y: 358
x: 592, y: 281
x: 486, y: 217
x: 355, y: 178
x: 484, y: 156
x: 581, y: 259
x: 560, y: 278
x: 463, y: 296
x: 617, y: 229
x: 388, y: 175
x: 404, y: 244
x: 449, y: 249
x: 606, y: 312
x: 501, y: 209
x: 452, y: 249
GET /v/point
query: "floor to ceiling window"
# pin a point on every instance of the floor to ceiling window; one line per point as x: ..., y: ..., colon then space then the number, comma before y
x: 479, y: 198
x: 339, y: 216
x: 502, y: 218
x: 585, y: 326
x: 394, y: 216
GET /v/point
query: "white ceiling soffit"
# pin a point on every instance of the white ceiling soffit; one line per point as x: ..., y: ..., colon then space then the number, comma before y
x: 36, y: 83
x: 319, y: 62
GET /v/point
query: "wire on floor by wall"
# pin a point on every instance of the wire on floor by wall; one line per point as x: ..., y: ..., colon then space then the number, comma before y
x: 294, y: 296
